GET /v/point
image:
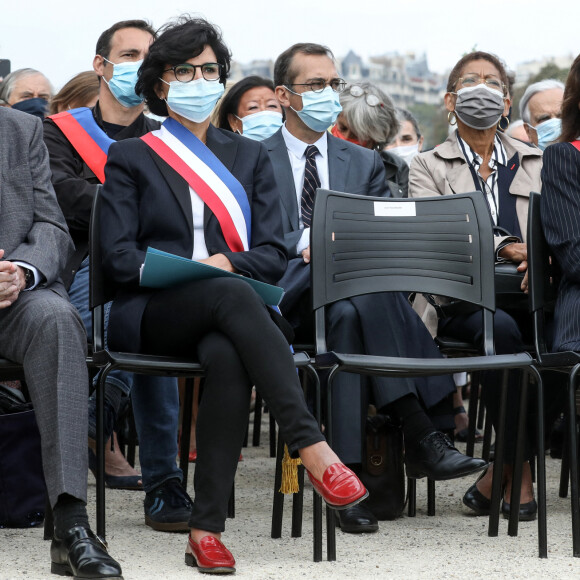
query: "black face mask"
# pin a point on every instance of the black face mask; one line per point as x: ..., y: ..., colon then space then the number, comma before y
x: 37, y: 107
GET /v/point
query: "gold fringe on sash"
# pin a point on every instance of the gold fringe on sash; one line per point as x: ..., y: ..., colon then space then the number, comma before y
x: 289, y: 473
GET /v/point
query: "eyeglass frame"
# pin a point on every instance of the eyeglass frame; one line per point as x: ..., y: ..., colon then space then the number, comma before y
x: 322, y: 81
x: 376, y: 101
x: 195, y: 67
x: 483, y: 81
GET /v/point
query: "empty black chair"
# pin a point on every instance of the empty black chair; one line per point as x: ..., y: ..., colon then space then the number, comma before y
x: 441, y: 246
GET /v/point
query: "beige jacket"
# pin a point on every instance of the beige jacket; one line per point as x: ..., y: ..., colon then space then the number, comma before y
x: 444, y: 171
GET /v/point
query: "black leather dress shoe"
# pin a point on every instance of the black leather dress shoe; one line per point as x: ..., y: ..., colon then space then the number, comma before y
x: 82, y: 555
x: 357, y: 519
x: 528, y: 510
x: 476, y: 501
x: 436, y: 458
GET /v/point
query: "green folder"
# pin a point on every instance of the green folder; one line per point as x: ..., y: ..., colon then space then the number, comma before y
x: 164, y: 270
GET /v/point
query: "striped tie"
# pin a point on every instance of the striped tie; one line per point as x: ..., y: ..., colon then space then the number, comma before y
x: 311, y: 184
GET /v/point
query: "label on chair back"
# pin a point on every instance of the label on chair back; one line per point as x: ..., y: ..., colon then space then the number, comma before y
x: 394, y: 209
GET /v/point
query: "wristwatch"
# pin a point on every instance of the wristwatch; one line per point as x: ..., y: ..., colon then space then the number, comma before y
x: 28, y: 278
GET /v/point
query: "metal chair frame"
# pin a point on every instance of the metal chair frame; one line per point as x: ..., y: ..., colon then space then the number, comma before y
x: 441, y: 246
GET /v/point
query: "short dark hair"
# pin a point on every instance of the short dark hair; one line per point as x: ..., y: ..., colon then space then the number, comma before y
x: 177, y: 42
x: 570, y: 110
x: 104, y: 42
x: 283, y: 72
x: 455, y: 73
x: 231, y: 100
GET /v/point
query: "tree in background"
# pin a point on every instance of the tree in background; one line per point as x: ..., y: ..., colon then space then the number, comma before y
x: 432, y: 121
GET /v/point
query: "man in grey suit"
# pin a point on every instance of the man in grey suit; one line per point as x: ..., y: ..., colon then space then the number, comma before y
x: 305, y: 157
x: 41, y: 330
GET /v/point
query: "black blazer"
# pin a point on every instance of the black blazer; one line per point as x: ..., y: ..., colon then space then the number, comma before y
x: 146, y: 203
x: 561, y: 221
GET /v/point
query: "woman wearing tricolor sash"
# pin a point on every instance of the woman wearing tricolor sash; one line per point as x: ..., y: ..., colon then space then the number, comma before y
x: 208, y: 195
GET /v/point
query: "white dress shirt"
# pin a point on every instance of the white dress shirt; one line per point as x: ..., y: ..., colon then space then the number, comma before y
x: 297, y: 156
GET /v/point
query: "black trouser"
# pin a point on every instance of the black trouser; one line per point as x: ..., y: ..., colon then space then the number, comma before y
x: 511, y: 330
x: 227, y: 326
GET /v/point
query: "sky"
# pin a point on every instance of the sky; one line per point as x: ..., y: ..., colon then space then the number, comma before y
x: 59, y: 37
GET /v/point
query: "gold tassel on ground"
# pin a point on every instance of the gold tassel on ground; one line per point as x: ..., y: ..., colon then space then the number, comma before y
x: 289, y: 473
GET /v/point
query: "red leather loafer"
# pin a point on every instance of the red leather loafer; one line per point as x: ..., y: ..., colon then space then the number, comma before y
x: 340, y: 488
x: 210, y: 556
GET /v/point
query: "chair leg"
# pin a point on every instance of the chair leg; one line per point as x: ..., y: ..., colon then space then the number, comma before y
x: 565, y: 468
x: 430, y: 497
x: 330, y: 534
x: 186, y: 429
x: 412, y: 497
x: 100, y: 452
x: 330, y: 515
x: 518, y: 459
x: 316, y: 527
x: 473, y: 407
x: 481, y: 410
x: 541, y: 472
x: 498, y: 462
x: 278, y: 504
x: 298, y: 505
x: 257, y: 421
x: 573, y: 454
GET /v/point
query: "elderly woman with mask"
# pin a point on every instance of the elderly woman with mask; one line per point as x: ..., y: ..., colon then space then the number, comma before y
x: 369, y: 119
x: 476, y: 156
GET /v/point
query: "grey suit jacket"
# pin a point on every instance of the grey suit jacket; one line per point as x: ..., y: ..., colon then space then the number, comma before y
x: 32, y: 227
x: 351, y: 168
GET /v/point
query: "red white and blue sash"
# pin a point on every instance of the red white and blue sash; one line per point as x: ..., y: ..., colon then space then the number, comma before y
x: 208, y: 177
x: 86, y: 137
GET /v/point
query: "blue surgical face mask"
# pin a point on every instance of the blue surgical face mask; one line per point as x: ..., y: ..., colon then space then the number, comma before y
x: 548, y: 132
x: 194, y: 100
x: 261, y: 125
x: 123, y: 81
x: 37, y: 107
x: 319, y: 110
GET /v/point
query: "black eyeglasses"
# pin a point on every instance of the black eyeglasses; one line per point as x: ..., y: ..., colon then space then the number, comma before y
x: 337, y: 85
x: 185, y: 73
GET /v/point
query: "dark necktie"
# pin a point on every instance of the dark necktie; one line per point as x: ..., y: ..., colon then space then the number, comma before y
x: 311, y: 184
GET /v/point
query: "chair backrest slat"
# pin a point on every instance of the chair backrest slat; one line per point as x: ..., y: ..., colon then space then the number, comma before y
x: 441, y: 245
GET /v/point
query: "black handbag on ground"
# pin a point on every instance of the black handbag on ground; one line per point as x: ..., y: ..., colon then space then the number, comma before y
x: 383, y: 468
x: 22, y: 487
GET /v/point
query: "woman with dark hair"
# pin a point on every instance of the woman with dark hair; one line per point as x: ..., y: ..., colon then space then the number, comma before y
x: 208, y: 195
x: 476, y: 156
x: 251, y: 109
x: 408, y: 141
x: 369, y: 119
x: 561, y: 213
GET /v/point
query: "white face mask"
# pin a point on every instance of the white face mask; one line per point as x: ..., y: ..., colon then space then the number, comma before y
x: 405, y: 152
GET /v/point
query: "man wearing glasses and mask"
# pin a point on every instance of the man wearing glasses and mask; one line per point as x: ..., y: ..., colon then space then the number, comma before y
x: 306, y: 157
x: 78, y: 141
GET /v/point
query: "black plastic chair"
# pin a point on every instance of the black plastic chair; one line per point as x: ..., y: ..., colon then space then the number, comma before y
x: 441, y: 246
x: 544, y: 277
x: 109, y: 360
